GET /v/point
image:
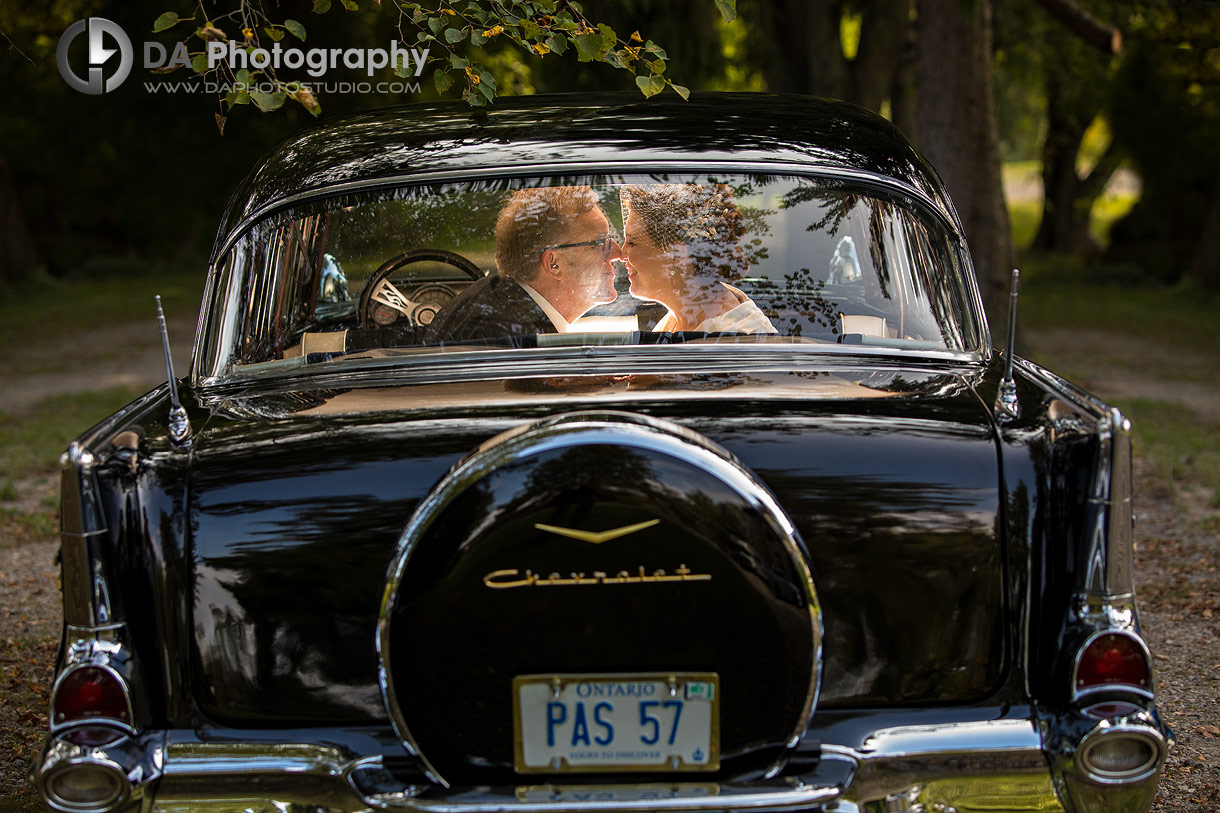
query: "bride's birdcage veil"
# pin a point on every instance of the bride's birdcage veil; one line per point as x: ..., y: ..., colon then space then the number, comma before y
x: 702, y: 218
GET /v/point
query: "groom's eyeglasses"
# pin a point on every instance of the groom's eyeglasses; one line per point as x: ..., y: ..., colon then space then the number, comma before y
x: 606, y: 244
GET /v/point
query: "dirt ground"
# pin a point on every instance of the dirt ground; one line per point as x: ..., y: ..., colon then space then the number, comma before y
x: 1177, y: 532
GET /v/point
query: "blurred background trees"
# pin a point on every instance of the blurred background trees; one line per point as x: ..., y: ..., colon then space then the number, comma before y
x: 105, y: 184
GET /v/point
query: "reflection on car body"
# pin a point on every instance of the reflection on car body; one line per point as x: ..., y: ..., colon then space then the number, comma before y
x: 854, y: 564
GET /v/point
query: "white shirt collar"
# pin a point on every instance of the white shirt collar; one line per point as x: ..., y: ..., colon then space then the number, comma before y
x: 561, y: 325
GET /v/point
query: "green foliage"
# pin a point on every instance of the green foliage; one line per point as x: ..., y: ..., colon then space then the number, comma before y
x: 537, y: 28
x: 165, y: 22
x: 1023, y: 217
x: 1165, y: 111
x: 268, y: 101
x: 849, y: 33
x: 295, y: 29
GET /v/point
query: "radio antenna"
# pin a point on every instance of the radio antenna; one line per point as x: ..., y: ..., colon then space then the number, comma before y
x: 1007, y: 407
x: 179, y: 425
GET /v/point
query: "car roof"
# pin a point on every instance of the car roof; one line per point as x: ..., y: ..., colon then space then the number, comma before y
x: 515, y: 134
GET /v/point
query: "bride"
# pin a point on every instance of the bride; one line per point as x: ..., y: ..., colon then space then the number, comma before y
x: 681, y: 246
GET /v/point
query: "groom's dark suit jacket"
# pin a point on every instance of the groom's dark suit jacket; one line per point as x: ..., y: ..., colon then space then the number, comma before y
x: 493, y: 308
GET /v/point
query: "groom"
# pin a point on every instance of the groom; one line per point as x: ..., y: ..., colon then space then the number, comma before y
x: 553, y: 252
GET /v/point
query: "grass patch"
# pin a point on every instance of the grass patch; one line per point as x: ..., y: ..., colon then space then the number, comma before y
x: 1024, y: 217
x: 1171, y: 436
x: 1024, y: 211
x: 1108, y: 209
x: 18, y: 527
x: 32, y: 443
x: 47, y: 308
x: 1063, y: 291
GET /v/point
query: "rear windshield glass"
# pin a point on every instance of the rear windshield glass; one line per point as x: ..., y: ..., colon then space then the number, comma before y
x: 602, y: 260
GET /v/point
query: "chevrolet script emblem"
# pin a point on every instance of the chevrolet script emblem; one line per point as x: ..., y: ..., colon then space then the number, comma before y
x: 597, y: 537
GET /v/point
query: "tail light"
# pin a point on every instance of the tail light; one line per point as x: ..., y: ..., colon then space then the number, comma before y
x: 90, y: 693
x: 1113, y: 659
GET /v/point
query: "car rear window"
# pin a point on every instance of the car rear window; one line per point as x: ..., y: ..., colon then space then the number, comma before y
x: 659, y: 260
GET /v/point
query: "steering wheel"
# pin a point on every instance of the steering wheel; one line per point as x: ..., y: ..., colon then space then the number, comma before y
x: 385, y: 302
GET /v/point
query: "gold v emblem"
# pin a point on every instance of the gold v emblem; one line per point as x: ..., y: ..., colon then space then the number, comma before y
x: 597, y: 537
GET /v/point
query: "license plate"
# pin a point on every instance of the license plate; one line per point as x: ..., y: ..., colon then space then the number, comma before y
x: 543, y: 794
x: 643, y: 722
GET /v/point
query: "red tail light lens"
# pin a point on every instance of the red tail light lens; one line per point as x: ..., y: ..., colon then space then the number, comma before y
x: 1113, y: 659
x: 88, y: 693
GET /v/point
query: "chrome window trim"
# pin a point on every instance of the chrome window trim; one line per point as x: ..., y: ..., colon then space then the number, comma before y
x: 976, y: 321
x: 476, y: 365
x: 604, y: 426
x: 626, y: 167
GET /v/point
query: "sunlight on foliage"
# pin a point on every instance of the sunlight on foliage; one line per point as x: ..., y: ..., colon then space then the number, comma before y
x: 849, y: 33
x: 739, y: 75
x: 1097, y: 139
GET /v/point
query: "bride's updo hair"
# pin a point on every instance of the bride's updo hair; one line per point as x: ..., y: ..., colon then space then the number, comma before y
x: 702, y: 217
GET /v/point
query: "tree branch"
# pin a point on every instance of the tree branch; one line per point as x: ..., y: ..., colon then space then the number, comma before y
x: 1084, y: 25
x: 13, y: 47
x: 1092, y: 184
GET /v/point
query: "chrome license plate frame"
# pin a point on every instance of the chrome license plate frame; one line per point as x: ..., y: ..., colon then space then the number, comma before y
x: 616, y: 723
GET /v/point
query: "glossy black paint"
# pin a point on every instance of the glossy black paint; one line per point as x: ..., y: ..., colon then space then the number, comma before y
x: 289, y: 554
x: 517, y: 133
x: 283, y: 527
x: 457, y: 643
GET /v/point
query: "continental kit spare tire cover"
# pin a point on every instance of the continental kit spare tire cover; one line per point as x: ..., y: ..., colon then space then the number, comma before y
x: 545, y: 552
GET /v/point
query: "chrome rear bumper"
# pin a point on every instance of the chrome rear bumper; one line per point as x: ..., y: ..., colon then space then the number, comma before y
x: 976, y: 765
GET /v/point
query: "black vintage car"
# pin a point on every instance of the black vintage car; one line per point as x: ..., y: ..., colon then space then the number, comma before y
x: 600, y: 454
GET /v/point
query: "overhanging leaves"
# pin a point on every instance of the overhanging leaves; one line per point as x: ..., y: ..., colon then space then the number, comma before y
x: 166, y: 21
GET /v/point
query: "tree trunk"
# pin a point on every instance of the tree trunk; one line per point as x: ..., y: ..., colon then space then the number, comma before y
x: 1068, y: 198
x: 796, y: 46
x: 1205, y: 264
x: 883, y: 34
x: 17, y: 257
x: 828, y: 70
x: 1060, y: 183
x: 903, y: 91
x: 956, y: 121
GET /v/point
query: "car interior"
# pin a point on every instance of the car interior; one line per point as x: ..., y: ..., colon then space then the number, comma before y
x: 825, y: 263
